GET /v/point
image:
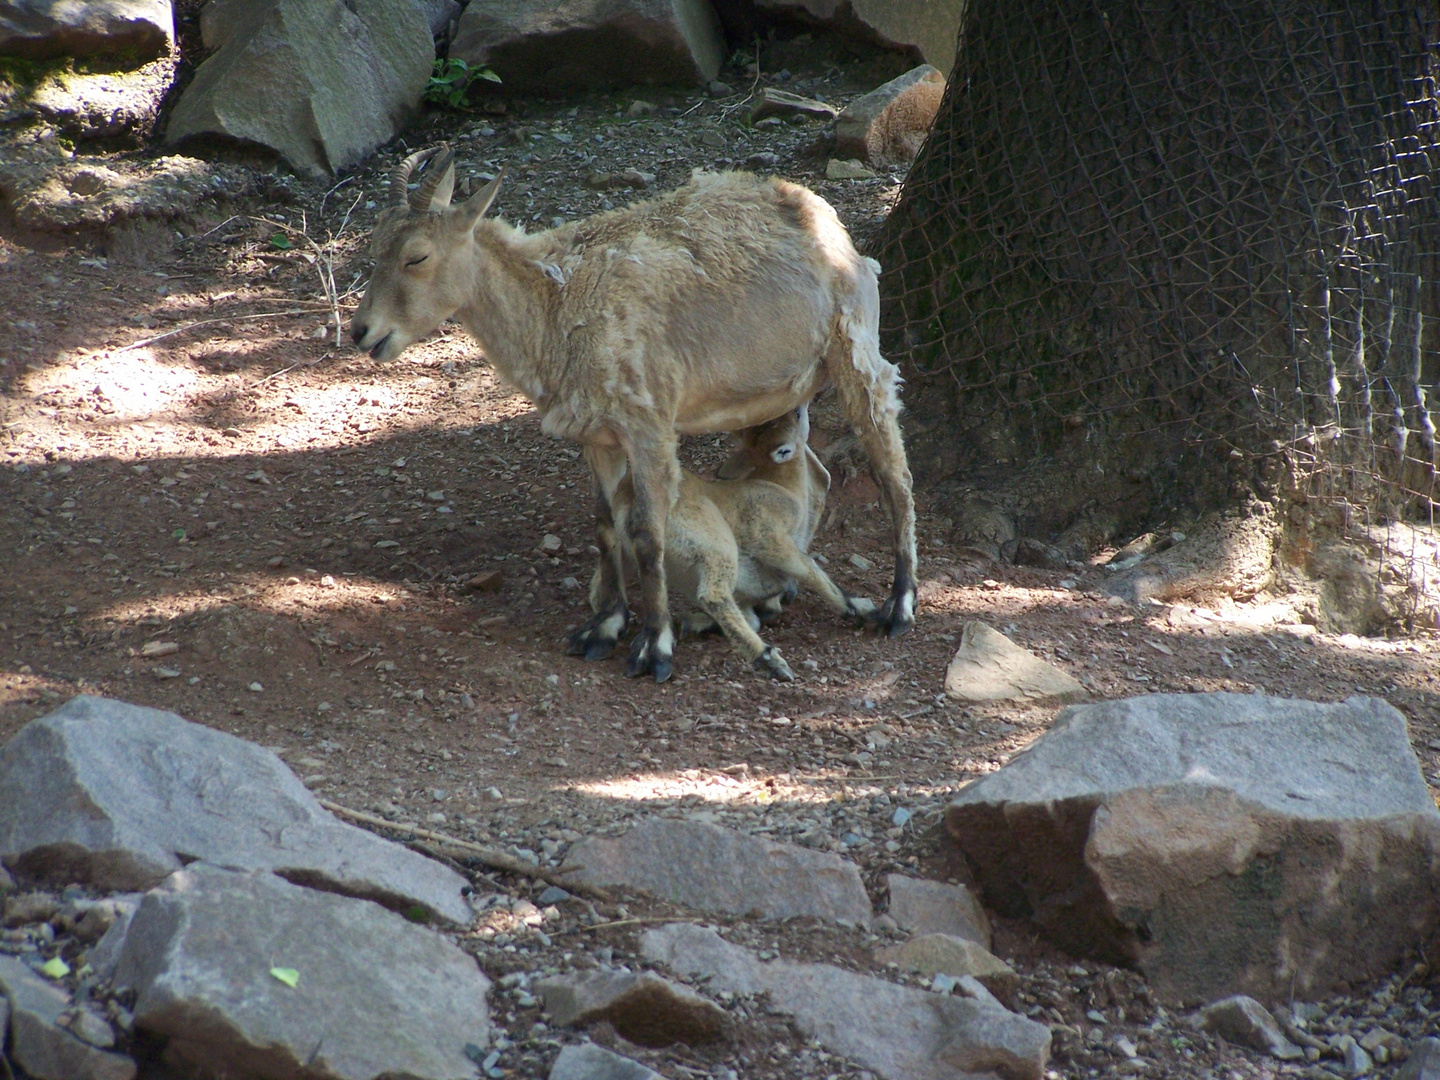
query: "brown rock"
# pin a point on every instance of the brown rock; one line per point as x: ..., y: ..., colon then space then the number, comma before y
x: 643, y: 1007
x: 943, y: 954
x: 888, y: 125
x: 933, y: 907
x: 1221, y: 843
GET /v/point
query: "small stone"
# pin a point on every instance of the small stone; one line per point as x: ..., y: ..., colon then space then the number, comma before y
x: 639, y: 108
x: 162, y: 672
x: 1356, y: 1061
x: 848, y: 169
x: 720, y: 89
x: 159, y: 648
x: 988, y: 666
x: 644, y: 1008
x: 934, y: 954
x: 934, y: 907
x: 552, y: 895
x: 435, y: 496
x: 763, y: 160
x: 590, y: 1062
x: 95, y: 1030
x: 712, y: 139
x: 256, y: 687
x: 860, y: 562
x: 551, y: 542
x: 30, y: 908
x: 485, y: 581
x: 1244, y: 1021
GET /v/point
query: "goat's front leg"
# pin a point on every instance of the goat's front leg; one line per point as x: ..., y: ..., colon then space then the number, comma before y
x: 655, y: 473
x: 596, y: 638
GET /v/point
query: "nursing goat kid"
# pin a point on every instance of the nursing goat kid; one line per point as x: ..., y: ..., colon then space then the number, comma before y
x: 734, y: 547
x: 719, y: 306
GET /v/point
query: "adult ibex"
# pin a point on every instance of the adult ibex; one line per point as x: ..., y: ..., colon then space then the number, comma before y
x: 717, y: 307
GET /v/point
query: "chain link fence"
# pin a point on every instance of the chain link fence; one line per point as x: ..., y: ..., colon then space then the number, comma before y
x: 1186, y: 246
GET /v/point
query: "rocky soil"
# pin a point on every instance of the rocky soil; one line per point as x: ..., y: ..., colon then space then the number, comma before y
x: 214, y: 506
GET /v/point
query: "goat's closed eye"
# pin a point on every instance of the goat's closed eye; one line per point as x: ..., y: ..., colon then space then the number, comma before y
x: 416, y: 261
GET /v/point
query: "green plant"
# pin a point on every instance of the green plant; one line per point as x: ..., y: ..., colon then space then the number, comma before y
x: 450, y: 81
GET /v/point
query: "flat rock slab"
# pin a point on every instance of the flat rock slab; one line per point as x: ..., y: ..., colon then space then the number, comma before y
x: 137, y: 30
x: 712, y: 869
x: 591, y: 1062
x: 121, y: 796
x: 990, y: 667
x: 943, y: 954
x: 38, y: 1044
x: 889, y: 124
x: 901, y: 1033
x: 538, y: 46
x: 1222, y: 843
x: 921, y: 906
x: 773, y: 102
x: 643, y: 1007
x: 376, y: 994
x: 320, y: 84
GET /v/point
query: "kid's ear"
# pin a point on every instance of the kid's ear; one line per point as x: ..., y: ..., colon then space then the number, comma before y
x: 782, y: 453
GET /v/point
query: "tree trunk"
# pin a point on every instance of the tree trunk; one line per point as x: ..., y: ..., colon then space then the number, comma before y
x: 1165, y: 253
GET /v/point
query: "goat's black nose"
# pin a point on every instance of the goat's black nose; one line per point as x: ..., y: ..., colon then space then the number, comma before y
x: 357, y: 331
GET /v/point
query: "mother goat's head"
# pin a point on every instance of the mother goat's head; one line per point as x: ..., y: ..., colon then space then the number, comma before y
x: 422, y: 251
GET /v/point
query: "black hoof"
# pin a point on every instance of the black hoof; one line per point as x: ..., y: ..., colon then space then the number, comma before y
x: 898, y: 614
x: 598, y: 635
x: 647, y: 657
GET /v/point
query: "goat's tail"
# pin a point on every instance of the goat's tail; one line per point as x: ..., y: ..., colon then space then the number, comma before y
x: 860, y: 372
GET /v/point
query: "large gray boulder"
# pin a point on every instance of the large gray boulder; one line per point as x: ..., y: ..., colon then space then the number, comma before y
x: 39, y: 1043
x: 706, y: 867
x: 1222, y: 843
x: 375, y: 995
x: 127, y: 32
x: 551, y: 48
x: 927, y: 29
x: 320, y: 82
x: 902, y: 1034
x: 120, y: 796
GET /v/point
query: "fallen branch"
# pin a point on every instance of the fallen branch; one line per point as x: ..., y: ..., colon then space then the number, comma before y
x: 206, y: 322
x: 496, y: 860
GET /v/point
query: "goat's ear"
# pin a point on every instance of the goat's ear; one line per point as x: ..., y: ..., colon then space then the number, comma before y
x: 474, y: 208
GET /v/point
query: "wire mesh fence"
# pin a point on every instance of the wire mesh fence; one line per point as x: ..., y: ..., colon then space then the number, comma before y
x: 1178, y: 235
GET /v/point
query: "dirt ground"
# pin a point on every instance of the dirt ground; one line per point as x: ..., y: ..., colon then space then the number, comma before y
x: 213, y: 507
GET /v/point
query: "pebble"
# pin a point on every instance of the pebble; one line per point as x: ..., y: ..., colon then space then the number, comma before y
x: 860, y: 562
x: 255, y: 687
x: 551, y: 542
x: 849, y: 169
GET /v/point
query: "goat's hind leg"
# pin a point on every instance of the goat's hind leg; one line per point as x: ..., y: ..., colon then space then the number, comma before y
x: 868, y: 386
x: 597, y: 636
x: 717, y: 599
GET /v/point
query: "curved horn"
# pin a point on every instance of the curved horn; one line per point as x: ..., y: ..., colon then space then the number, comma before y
x: 400, y: 175
x: 438, y: 169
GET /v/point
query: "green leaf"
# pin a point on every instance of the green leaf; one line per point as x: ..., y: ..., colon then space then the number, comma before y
x: 488, y: 75
x: 55, y: 968
x: 417, y: 914
x: 281, y: 241
x: 178, y: 534
x: 289, y: 976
